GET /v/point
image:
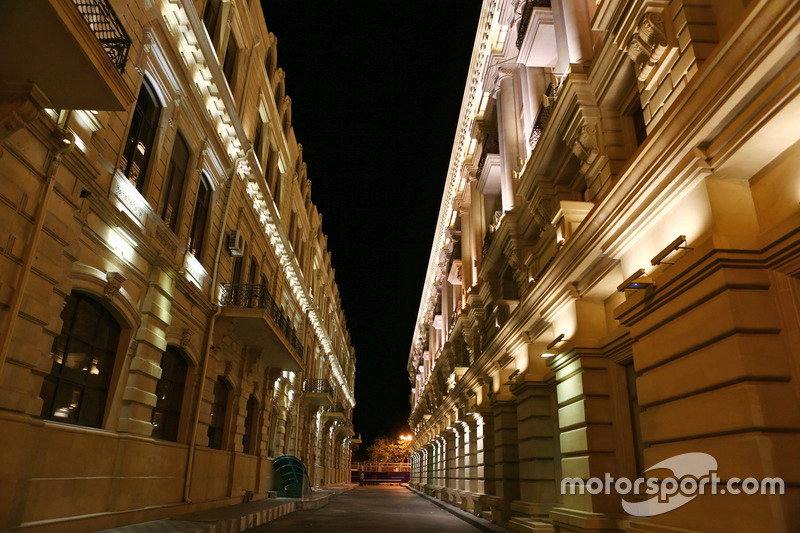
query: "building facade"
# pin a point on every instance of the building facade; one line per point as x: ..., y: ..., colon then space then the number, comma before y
x: 170, y: 317
x: 614, y: 275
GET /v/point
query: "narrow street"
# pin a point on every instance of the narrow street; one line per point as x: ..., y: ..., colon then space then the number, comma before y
x: 376, y: 508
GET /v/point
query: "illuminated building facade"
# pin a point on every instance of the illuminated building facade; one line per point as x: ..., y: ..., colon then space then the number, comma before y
x: 614, y: 275
x: 170, y: 318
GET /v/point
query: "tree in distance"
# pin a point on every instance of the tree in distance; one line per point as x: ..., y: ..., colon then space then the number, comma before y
x: 388, y: 450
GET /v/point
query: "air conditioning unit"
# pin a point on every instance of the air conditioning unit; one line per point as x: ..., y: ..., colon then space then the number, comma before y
x: 235, y: 244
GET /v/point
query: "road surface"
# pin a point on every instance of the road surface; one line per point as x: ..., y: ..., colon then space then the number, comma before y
x: 384, y: 509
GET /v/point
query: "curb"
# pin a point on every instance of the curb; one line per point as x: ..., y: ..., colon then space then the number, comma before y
x: 483, y: 525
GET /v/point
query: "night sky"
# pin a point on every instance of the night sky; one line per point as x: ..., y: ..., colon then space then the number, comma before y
x: 376, y: 89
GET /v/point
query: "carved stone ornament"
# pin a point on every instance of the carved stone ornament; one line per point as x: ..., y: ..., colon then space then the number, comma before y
x: 114, y: 281
x: 585, y: 145
x: 186, y: 337
x: 648, y: 44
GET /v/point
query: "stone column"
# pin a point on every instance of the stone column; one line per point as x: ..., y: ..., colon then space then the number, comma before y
x: 451, y: 445
x: 578, y: 29
x: 506, y: 469
x: 538, y: 447
x: 586, y: 426
x: 510, y: 134
x: 466, y: 250
x: 138, y: 398
x: 462, y: 449
x: 477, y: 229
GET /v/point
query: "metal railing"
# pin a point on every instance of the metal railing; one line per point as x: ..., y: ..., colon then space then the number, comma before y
x: 545, y: 113
x: 318, y: 385
x: 527, y: 12
x: 109, y: 31
x: 253, y: 296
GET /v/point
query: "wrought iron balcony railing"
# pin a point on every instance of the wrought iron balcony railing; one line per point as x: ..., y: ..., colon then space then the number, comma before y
x: 527, y: 12
x: 545, y: 112
x: 108, y: 29
x: 252, y: 296
x: 318, y: 385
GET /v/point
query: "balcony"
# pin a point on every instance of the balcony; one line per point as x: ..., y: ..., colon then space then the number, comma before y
x: 536, y: 35
x: 75, y: 51
x: 254, y: 317
x: 336, y: 414
x: 318, y: 392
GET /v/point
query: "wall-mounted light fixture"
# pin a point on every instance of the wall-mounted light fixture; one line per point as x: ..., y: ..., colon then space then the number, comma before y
x: 511, y: 377
x: 551, y: 350
x: 636, y: 282
x: 677, y: 244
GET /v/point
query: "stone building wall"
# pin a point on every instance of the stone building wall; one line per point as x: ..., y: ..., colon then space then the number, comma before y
x: 621, y: 289
x: 75, y: 227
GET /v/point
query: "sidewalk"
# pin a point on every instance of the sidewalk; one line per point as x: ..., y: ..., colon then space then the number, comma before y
x: 235, y: 518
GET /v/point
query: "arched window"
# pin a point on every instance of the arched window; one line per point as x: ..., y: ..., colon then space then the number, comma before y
x: 250, y: 426
x: 202, y: 205
x: 176, y: 176
x: 169, y: 393
x: 216, y: 428
x: 83, y: 355
x: 141, y: 135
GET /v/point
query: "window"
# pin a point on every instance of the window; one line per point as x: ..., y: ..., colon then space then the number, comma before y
x: 257, y: 140
x: 211, y: 18
x: 176, y: 175
x: 228, y: 66
x: 169, y: 395
x: 141, y: 135
x: 200, y: 217
x: 216, y: 427
x: 83, y: 355
x: 250, y: 420
x: 251, y: 274
x: 277, y: 190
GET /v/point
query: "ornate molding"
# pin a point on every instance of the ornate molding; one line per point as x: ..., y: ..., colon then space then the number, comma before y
x: 648, y: 44
x: 186, y: 337
x: 114, y: 281
x: 584, y: 146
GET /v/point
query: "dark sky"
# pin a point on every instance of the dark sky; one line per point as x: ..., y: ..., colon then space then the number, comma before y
x: 376, y: 89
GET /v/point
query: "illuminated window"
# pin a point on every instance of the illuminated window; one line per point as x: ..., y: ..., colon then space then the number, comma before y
x: 169, y: 395
x: 200, y: 218
x: 216, y: 427
x: 176, y: 176
x: 141, y: 135
x: 83, y: 356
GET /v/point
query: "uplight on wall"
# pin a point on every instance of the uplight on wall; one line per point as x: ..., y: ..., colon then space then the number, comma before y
x: 636, y: 282
x: 551, y: 350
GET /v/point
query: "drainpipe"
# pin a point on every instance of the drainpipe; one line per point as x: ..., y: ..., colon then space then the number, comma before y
x: 232, y: 172
x: 67, y: 139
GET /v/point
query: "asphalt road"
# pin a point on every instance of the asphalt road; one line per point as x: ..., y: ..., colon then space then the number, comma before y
x: 384, y: 509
